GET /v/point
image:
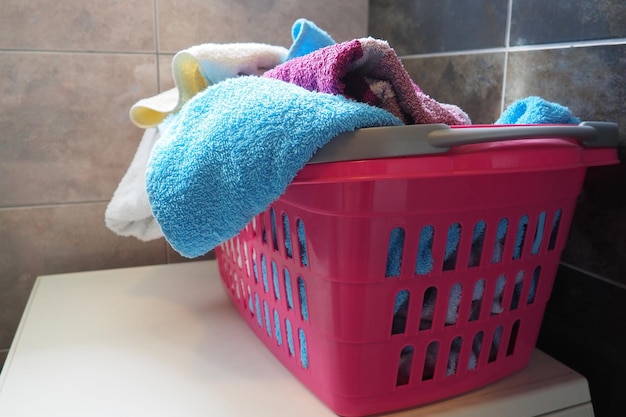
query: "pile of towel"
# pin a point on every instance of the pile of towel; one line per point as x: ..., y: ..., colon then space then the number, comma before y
x: 244, y: 118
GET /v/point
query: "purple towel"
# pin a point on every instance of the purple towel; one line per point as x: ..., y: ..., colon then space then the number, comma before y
x: 369, y: 71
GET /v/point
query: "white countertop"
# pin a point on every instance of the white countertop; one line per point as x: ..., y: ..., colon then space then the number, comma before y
x: 165, y: 341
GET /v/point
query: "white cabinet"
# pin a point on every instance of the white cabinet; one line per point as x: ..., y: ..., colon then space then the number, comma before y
x: 165, y: 341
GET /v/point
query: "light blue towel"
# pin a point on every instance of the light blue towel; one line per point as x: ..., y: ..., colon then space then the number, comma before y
x: 536, y: 110
x: 307, y: 37
x: 234, y: 148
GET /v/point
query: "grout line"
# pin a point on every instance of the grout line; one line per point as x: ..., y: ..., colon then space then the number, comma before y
x: 155, y: 3
x: 454, y: 53
x: 52, y: 205
x: 594, y: 275
x: 507, y: 46
x: 71, y: 51
x: 522, y: 48
x: 518, y: 48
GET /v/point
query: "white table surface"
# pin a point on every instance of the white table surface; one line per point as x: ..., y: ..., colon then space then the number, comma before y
x: 165, y: 341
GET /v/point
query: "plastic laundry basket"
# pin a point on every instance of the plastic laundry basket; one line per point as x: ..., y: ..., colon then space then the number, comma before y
x: 409, y: 264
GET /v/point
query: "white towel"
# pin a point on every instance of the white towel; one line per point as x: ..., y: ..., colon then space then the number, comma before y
x: 197, y: 67
x: 129, y: 212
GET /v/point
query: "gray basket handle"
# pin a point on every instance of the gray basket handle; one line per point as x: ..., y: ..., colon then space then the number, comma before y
x: 412, y: 140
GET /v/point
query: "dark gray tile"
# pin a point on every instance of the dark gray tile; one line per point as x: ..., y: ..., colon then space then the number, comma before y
x: 591, y: 81
x: 584, y: 328
x: 423, y: 26
x: 597, y: 238
x: 473, y: 82
x: 541, y: 21
x: 58, y: 239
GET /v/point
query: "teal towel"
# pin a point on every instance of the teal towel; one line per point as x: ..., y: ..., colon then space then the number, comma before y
x: 307, y: 37
x: 234, y: 148
x: 536, y: 110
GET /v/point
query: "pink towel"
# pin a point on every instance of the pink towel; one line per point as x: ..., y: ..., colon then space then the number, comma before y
x: 367, y: 70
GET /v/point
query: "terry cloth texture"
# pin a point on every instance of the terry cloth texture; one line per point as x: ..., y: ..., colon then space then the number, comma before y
x: 234, y: 148
x: 307, y: 37
x: 129, y: 213
x: 368, y: 70
x: 199, y: 66
x: 536, y: 110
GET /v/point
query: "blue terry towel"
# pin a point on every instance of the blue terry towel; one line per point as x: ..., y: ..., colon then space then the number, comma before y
x: 307, y: 37
x: 234, y: 148
x: 536, y: 110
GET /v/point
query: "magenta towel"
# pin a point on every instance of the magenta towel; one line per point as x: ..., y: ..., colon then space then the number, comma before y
x: 369, y: 71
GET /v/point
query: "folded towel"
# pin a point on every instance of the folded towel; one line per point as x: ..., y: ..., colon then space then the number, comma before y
x: 307, y: 37
x: 149, y: 112
x: 234, y: 148
x: 367, y: 70
x: 536, y: 110
x: 199, y: 66
x: 129, y: 213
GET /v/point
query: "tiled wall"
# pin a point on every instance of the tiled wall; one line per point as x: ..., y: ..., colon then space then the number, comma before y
x: 69, y: 71
x: 484, y: 54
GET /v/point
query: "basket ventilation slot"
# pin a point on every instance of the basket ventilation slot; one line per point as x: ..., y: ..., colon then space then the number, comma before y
x: 287, y: 234
x: 289, y: 334
x: 541, y: 223
x: 266, y: 286
x: 555, y: 229
x: 424, y: 260
x: 304, y: 256
x: 453, y: 356
x: 478, y: 242
x: 430, y: 361
x: 401, y: 306
x: 304, y: 308
x: 498, y: 247
x: 394, y: 252
x: 428, y: 308
x: 288, y: 292
x: 275, y: 281
x: 402, y: 301
x: 272, y: 326
x: 424, y: 263
x: 405, y: 365
x: 273, y: 225
x: 257, y: 306
x: 452, y: 247
x: 495, y: 344
x: 277, y: 333
x: 304, y: 357
x: 255, y: 271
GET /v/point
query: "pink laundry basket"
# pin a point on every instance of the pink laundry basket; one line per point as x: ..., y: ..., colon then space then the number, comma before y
x: 409, y: 264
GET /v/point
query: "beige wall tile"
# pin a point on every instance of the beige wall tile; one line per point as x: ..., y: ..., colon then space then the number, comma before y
x: 55, y: 239
x: 65, y: 131
x: 78, y: 25
x: 189, y: 22
x: 174, y: 257
x: 166, y: 79
x: 65, y: 136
